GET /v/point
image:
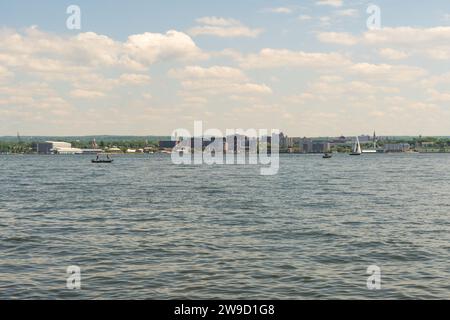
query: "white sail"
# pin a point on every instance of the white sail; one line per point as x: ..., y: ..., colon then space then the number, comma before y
x: 357, y: 147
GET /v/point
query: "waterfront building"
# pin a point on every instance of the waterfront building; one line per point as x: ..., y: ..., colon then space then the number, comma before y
x: 113, y: 150
x: 59, y: 147
x: 310, y: 146
x: 427, y: 144
x: 306, y: 145
x: 283, y: 141
x: 67, y: 151
x: 42, y: 147
x: 321, y: 147
x: 397, y: 147
x: 294, y: 142
x: 339, y: 140
x: 91, y: 151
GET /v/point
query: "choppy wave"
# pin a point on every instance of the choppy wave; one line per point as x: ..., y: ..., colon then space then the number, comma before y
x: 146, y: 229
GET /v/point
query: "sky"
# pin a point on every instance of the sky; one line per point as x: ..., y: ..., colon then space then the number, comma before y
x: 308, y: 68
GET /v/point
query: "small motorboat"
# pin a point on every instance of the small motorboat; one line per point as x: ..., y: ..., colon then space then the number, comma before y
x: 98, y: 160
x: 327, y: 156
x: 102, y: 161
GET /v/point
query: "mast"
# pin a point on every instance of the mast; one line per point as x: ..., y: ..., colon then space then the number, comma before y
x: 374, y: 141
x: 94, y: 144
x: 358, y: 146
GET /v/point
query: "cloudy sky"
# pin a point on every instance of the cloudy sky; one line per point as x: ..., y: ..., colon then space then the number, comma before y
x: 309, y: 68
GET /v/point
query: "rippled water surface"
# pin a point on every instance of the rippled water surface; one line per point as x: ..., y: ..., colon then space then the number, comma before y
x: 143, y: 228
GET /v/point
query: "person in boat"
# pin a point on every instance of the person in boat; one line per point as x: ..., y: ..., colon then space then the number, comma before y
x: 107, y: 156
x: 97, y: 157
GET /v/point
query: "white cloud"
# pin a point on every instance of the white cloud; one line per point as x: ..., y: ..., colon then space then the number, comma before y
x: 89, y: 94
x: 428, y: 42
x: 332, y: 3
x: 218, y: 21
x: 134, y: 79
x: 403, y: 41
x: 440, y: 79
x: 46, y: 78
x: 152, y: 47
x: 338, y: 38
x: 347, y: 13
x: 4, y: 73
x: 407, y: 36
x: 404, y: 36
x: 281, y: 10
x: 438, y: 52
x: 32, y: 101
x: 304, y: 17
x: 325, y: 21
x: 214, y: 72
x: 273, y: 58
x: 93, y: 48
x: 331, y: 88
x: 216, y: 80
x: 303, y: 98
x: 388, y: 72
x: 393, y: 54
x: 223, y: 27
x: 435, y: 95
x: 37, y: 51
x: 193, y: 100
x: 31, y: 89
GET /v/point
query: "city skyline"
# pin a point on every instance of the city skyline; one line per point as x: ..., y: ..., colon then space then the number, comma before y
x: 309, y: 69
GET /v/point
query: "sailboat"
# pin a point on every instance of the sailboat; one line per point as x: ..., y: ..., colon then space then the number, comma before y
x: 356, y: 148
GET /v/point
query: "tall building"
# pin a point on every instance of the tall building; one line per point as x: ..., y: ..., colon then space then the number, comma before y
x: 310, y: 146
x: 283, y: 141
x: 294, y: 142
x: 306, y: 145
x: 320, y: 147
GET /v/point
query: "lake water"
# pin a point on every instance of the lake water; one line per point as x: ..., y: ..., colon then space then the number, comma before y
x: 143, y: 228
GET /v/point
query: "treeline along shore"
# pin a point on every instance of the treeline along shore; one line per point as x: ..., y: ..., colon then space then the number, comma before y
x: 26, y: 144
x: 152, y: 144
